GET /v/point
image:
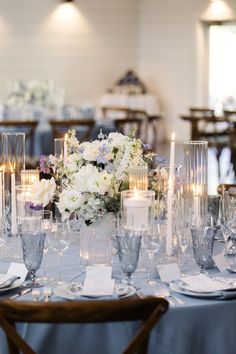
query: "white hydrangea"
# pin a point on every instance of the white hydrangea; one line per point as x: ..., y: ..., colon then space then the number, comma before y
x: 117, y: 139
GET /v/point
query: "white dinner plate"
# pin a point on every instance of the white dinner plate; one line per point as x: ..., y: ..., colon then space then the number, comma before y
x: 175, y: 286
x: 16, y: 284
x: 65, y: 291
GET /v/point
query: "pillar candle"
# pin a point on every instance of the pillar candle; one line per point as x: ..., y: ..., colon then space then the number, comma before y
x: 169, y: 246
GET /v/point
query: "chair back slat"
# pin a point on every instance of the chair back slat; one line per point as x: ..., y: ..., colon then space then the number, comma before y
x: 148, y: 310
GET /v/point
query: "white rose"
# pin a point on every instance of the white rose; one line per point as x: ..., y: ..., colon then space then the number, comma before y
x: 91, y: 150
x: 70, y: 200
x: 44, y: 190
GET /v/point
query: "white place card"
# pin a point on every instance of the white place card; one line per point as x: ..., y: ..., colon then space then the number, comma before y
x: 169, y: 272
x: 93, y: 272
x: 221, y: 262
x: 98, y: 287
x: 17, y: 269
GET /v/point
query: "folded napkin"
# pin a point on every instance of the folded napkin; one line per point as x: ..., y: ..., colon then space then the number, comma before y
x: 203, y: 284
x: 4, y: 279
x: 98, y: 287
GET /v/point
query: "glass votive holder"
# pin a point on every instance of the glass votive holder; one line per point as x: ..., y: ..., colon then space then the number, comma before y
x: 59, y: 147
x: 28, y: 177
x: 26, y: 205
x: 138, y: 208
x: 138, y: 178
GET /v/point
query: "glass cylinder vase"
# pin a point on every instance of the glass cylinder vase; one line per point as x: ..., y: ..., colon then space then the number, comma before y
x: 166, y: 181
x: 195, y: 177
x: 13, y: 161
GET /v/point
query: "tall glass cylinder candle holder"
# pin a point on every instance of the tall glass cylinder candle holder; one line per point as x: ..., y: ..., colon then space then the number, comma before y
x: 166, y: 181
x: 28, y: 177
x: 195, y: 177
x: 59, y: 145
x: 13, y: 150
x: 138, y: 178
x: 138, y: 207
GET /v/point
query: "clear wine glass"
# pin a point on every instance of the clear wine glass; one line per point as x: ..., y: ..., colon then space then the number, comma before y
x: 60, y: 239
x: 46, y: 222
x: 151, y: 241
x: 32, y: 240
x: 128, y: 244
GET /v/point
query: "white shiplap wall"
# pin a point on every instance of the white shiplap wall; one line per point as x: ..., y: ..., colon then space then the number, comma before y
x: 84, y: 51
x: 168, y: 56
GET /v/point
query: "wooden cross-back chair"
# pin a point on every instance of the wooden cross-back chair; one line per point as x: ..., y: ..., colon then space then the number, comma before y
x: 227, y: 187
x: 24, y: 126
x: 127, y: 125
x: 214, y: 129
x: 83, y: 127
x: 148, y: 310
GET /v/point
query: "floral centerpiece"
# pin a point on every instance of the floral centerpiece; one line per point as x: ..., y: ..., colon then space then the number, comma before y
x: 91, y: 175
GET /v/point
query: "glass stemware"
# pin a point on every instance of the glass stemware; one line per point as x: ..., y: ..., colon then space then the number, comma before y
x: 46, y: 222
x: 59, y: 240
x: 32, y: 240
x: 128, y: 244
x: 203, y: 239
x: 151, y: 243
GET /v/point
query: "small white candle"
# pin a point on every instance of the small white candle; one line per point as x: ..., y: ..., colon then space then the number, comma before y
x: 1, y: 193
x: 13, y: 204
x: 137, y: 211
x: 65, y: 146
x: 169, y: 246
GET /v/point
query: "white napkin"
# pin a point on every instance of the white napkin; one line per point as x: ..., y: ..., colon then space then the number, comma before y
x: 98, y: 287
x: 203, y: 284
x: 4, y: 278
x: 15, y: 269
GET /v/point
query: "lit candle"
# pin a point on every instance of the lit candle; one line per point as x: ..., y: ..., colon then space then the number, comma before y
x: 137, y: 211
x: 1, y: 193
x: 65, y: 146
x: 169, y: 246
x: 13, y: 203
x: 28, y: 177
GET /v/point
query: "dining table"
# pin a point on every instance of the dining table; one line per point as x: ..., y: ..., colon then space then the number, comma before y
x: 192, y: 324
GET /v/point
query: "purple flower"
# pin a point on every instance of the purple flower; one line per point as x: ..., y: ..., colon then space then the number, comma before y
x: 81, y: 150
x: 33, y: 207
x: 110, y: 167
x: 101, y: 159
x: 43, y: 166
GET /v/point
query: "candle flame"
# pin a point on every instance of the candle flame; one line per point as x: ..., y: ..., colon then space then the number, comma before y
x: 12, y: 167
x: 173, y: 136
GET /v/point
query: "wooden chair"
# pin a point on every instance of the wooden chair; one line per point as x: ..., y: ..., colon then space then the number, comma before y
x: 126, y: 125
x: 148, y: 310
x: 227, y: 187
x: 83, y: 127
x: 27, y: 126
x: 214, y: 129
x: 201, y: 112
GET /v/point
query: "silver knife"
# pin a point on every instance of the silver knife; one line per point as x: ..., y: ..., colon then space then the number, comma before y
x: 8, y: 282
x: 20, y: 293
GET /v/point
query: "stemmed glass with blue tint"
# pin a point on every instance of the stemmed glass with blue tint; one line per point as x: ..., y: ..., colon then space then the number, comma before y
x: 32, y: 240
x: 128, y: 245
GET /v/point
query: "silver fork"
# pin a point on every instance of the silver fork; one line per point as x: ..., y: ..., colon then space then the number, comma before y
x: 141, y: 295
x: 169, y: 294
x: 47, y: 292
